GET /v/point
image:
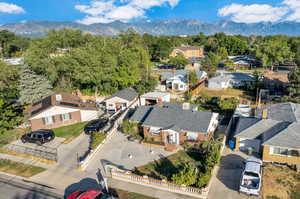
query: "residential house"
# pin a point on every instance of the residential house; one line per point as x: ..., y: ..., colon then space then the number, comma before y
x: 121, y: 100
x: 274, y: 133
x: 153, y: 98
x: 60, y: 110
x: 243, y: 61
x: 230, y: 80
x: 189, y: 52
x: 173, y: 124
x: 178, y: 79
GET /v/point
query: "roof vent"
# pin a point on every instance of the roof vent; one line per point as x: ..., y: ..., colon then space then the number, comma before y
x: 58, y: 97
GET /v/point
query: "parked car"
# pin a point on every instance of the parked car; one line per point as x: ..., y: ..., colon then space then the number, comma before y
x: 89, y: 194
x: 38, y: 137
x: 251, y: 177
x: 95, y: 125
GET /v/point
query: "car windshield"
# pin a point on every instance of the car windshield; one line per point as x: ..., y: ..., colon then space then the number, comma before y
x: 46, y: 135
x: 248, y: 173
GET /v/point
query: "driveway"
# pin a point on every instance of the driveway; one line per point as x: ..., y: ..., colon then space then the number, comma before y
x: 225, y: 184
x: 120, y: 152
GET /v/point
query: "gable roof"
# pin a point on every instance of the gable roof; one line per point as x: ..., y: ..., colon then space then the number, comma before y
x: 283, y: 112
x: 257, y: 129
x: 126, y: 93
x: 66, y: 100
x: 288, y: 137
x: 171, y: 74
x: 244, y: 123
x: 173, y: 118
x: 231, y: 76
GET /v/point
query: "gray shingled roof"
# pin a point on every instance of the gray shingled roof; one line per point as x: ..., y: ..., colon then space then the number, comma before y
x: 257, y: 129
x: 283, y: 112
x: 127, y: 94
x: 244, y: 123
x: 233, y: 76
x: 141, y: 114
x: 288, y: 137
x: 175, y: 119
x: 167, y: 75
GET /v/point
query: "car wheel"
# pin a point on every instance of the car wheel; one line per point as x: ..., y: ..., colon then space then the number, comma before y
x: 23, y: 141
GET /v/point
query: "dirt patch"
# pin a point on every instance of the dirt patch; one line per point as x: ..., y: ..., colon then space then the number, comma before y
x: 280, y: 182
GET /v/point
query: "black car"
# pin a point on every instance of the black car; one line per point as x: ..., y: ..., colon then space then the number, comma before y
x: 95, y: 125
x: 39, y: 137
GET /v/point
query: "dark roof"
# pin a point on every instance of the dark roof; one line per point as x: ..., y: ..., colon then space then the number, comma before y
x: 67, y: 100
x: 282, y: 112
x: 173, y: 118
x: 127, y: 94
x: 244, y: 123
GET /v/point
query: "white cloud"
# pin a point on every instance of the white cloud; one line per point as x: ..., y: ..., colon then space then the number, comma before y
x: 123, y: 10
x: 253, y: 13
x: 10, y: 8
x: 294, y: 6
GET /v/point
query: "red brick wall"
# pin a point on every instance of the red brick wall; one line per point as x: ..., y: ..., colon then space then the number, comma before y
x: 156, y: 138
x: 38, y: 123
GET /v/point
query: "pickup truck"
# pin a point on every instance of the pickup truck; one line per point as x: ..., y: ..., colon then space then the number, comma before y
x: 251, y: 177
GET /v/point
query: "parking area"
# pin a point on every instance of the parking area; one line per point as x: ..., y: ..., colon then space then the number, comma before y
x: 55, y: 143
x: 125, y: 154
x: 226, y: 182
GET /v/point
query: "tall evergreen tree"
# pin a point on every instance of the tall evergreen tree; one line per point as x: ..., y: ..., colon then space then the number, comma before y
x: 32, y: 86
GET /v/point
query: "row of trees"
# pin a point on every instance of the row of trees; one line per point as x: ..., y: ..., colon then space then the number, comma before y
x: 12, y: 45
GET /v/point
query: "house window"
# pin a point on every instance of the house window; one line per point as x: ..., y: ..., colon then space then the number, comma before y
x: 48, y: 120
x: 192, y: 136
x: 66, y: 116
x: 154, y: 130
x: 280, y: 151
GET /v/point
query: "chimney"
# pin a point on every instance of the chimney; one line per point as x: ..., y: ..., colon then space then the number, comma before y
x: 185, y: 106
x: 265, y: 114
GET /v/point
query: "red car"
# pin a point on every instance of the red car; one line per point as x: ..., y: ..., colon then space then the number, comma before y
x: 89, y: 194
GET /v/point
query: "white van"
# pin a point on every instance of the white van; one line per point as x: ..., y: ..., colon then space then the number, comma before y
x: 251, y: 177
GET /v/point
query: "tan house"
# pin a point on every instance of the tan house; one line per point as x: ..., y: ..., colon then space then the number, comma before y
x: 274, y: 134
x: 188, y: 52
x: 121, y: 100
x: 60, y: 110
x: 173, y: 124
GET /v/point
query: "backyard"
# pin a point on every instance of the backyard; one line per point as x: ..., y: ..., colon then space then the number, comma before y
x: 19, y: 169
x: 69, y: 132
x: 280, y: 182
x: 225, y: 93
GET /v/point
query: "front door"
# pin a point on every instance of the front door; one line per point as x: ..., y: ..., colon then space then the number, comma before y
x: 173, y: 137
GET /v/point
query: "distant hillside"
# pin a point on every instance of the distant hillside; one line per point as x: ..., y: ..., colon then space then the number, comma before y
x: 160, y: 27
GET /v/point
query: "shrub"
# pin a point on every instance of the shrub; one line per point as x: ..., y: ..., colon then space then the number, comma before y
x: 96, y: 139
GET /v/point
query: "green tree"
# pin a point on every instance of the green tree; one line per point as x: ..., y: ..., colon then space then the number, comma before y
x: 210, y: 63
x: 146, y: 85
x: 32, y: 86
x: 228, y: 105
x: 193, y: 78
x: 222, y: 52
x: 179, y: 61
x: 186, y: 176
x: 294, y: 79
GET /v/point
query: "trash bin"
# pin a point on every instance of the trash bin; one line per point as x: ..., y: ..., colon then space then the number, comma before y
x: 231, y: 144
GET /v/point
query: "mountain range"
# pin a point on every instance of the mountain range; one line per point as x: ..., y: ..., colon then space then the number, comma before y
x: 159, y: 27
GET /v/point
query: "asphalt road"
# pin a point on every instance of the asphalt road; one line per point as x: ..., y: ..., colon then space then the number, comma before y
x: 10, y: 189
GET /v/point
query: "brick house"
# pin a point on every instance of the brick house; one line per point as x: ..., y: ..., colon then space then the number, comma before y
x: 188, y: 52
x: 121, y: 99
x: 60, y: 110
x: 274, y: 133
x: 174, y: 124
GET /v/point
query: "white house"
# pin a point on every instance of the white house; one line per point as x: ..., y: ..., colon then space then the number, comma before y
x: 230, y: 80
x: 121, y: 100
x: 153, y: 98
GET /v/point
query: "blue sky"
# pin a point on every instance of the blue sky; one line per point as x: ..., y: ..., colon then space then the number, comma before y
x: 95, y: 11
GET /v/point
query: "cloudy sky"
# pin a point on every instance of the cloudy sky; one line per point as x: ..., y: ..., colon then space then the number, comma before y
x: 104, y: 11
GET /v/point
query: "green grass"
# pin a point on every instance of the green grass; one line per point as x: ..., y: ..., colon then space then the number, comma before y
x: 121, y: 194
x: 97, y: 138
x: 70, y: 132
x: 166, y: 167
x: 10, y: 136
x: 19, y: 169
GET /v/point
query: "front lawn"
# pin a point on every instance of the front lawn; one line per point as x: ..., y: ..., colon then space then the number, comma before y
x: 11, y: 135
x: 224, y: 93
x: 70, y: 132
x: 19, y: 169
x: 280, y: 182
x: 121, y: 194
x: 190, y: 168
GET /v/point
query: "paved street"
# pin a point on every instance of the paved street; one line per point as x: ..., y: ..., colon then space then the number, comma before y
x: 12, y: 189
x: 118, y: 149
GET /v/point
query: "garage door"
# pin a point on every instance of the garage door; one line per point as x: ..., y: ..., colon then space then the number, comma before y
x: 253, y: 143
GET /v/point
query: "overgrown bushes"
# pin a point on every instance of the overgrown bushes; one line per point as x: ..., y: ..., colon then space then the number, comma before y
x: 131, y: 129
x: 96, y: 139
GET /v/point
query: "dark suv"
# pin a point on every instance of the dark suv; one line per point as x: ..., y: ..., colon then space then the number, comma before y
x: 39, y: 137
x: 95, y: 125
